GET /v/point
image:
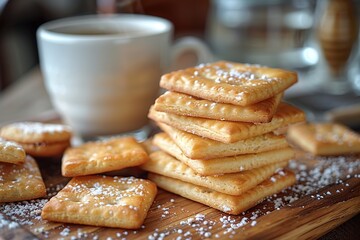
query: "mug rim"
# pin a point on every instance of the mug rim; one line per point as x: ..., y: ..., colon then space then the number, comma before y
x: 47, y: 30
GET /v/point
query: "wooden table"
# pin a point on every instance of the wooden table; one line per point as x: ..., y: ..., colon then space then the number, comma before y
x: 314, y: 208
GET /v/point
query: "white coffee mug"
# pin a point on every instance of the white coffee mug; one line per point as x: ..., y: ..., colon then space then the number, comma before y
x: 102, y: 72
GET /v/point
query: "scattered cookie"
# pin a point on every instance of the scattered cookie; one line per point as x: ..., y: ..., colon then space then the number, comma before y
x: 325, y: 138
x: 103, y: 156
x: 182, y: 104
x: 11, y: 152
x: 19, y: 182
x: 232, y: 183
x: 197, y: 147
x: 226, y: 131
x: 227, y: 203
x: 228, y: 82
x: 102, y: 201
x: 223, y: 165
x: 38, y: 139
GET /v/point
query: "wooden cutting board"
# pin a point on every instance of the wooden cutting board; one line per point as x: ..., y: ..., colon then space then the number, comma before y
x: 326, y: 195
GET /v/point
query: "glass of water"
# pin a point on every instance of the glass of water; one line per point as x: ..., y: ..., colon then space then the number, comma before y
x: 274, y: 33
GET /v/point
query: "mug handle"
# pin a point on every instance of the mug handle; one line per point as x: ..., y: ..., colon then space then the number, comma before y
x: 188, y: 52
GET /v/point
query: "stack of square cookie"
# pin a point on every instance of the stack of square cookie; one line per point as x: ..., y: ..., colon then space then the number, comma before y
x: 218, y: 145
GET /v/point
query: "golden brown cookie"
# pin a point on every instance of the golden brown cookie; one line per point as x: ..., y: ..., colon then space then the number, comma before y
x: 197, y: 147
x: 11, y: 152
x: 227, y: 203
x: 182, y: 104
x: 20, y: 182
x: 102, y: 201
x: 103, y: 156
x: 38, y: 139
x: 229, y: 82
x: 226, y: 131
x: 223, y: 165
x: 232, y: 183
x: 325, y: 138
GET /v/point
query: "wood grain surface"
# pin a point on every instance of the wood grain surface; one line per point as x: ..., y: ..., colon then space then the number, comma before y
x: 326, y: 195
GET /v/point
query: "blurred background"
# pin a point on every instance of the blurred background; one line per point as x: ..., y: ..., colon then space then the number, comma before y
x: 19, y: 20
x: 318, y: 39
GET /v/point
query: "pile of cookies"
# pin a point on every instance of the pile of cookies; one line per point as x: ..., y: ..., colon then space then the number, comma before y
x: 20, y: 177
x: 92, y: 198
x: 218, y: 145
x: 89, y: 197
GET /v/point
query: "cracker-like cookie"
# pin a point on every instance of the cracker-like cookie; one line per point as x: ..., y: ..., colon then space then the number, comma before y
x: 228, y: 82
x: 226, y: 131
x: 232, y: 183
x: 226, y: 164
x: 38, y: 139
x: 11, y: 152
x: 102, y: 201
x: 196, y: 147
x: 103, y: 156
x: 227, y: 203
x: 19, y: 182
x: 325, y: 138
x: 182, y: 104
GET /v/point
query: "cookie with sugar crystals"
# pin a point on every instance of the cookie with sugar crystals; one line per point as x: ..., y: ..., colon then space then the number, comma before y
x: 224, y: 202
x: 39, y: 139
x: 325, y: 138
x: 11, y: 152
x: 232, y: 183
x: 182, y: 104
x: 223, y: 165
x: 229, y: 82
x: 103, y: 156
x: 197, y: 147
x: 227, y: 131
x: 119, y: 202
x: 19, y: 182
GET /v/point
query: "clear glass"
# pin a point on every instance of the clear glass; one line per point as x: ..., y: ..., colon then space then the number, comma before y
x: 275, y: 33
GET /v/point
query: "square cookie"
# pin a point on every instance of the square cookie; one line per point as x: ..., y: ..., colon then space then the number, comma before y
x: 103, y: 156
x: 120, y: 202
x: 182, y: 104
x: 226, y: 203
x: 223, y: 165
x: 229, y: 82
x: 19, y: 182
x: 196, y: 147
x: 325, y: 138
x: 228, y: 131
x: 38, y: 139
